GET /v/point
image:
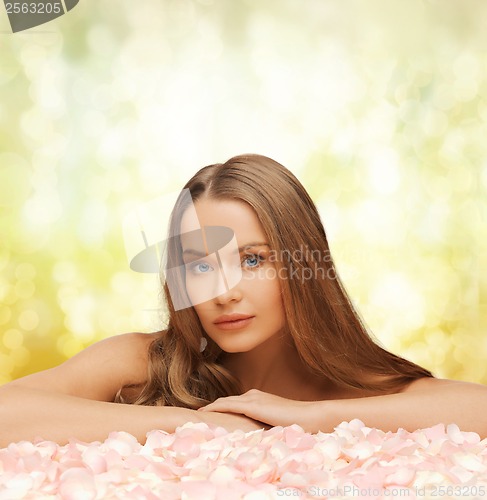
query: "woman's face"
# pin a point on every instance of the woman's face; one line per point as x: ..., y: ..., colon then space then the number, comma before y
x: 256, y: 296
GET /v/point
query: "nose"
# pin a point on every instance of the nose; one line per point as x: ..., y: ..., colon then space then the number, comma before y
x: 232, y: 295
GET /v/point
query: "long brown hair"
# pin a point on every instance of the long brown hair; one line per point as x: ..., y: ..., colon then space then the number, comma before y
x: 328, y: 333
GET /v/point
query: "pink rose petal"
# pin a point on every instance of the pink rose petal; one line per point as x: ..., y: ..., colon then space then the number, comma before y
x: 77, y: 484
x: 201, y: 461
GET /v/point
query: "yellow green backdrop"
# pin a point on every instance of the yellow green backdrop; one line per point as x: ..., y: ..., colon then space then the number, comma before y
x: 379, y: 108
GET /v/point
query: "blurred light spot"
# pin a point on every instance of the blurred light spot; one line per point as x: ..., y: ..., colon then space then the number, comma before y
x: 30, y: 238
x: 460, y: 353
x: 24, y: 289
x: 94, y: 123
x: 111, y: 149
x: 469, y: 213
x: 122, y: 282
x: 384, y: 174
x: 69, y: 346
x: 444, y: 97
x: 210, y: 45
x: 461, y: 337
x: 28, y: 320
x: 105, y: 322
x: 119, y: 181
x: 102, y: 97
x: 483, y: 177
x: 465, y: 90
x: 409, y: 111
x: 461, y: 262
x: 10, y: 66
x: 91, y: 226
x: 5, y: 289
x: 98, y: 187
x: 15, y: 184
x: 434, y: 122
x: 436, y: 338
x: 33, y: 56
x: 395, y: 294
x: 7, y: 364
x: 440, y: 190
x: 101, y: 41
x: 7, y: 292
x: 157, y: 72
x: 330, y: 215
x: 43, y: 209
x: 149, y: 297
x: 378, y: 222
x: 81, y: 88
x: 13, y: 339
x: 418, y: 352
x: 79, y: 317
x: 461, y: 179
x: 4, y: 253
x: 44, y: 91
x: 64, y: 272
x: 482, y: 111
x: 45, y: 159
x: 26, y: 271
x: 5, y: 314
x: 20, y: 356
x: 432, y: 227
x: 124, y: 88
x: 65, y: 295
x: 36, y: 125
x: 466, y: 66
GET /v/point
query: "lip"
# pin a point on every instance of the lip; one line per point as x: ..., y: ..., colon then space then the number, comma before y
x: 233, y: 321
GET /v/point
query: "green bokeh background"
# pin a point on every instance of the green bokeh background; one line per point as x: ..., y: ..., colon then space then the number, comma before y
x: 379, y: 108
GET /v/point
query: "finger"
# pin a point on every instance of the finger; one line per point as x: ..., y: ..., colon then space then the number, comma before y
x: 231, y: 406
x: 221, y: 403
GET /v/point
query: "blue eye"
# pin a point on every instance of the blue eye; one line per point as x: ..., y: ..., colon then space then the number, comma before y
x: 201, y: 268
x: 252, y: 260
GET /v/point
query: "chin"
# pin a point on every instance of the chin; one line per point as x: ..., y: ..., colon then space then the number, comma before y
x: 233, y: 349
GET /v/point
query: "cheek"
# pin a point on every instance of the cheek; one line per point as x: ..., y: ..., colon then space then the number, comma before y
x: 266, y: 291
x: 201, y: 313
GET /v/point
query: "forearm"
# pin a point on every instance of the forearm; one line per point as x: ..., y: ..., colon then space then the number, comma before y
x: 29, y: 413
x: 464, y: 404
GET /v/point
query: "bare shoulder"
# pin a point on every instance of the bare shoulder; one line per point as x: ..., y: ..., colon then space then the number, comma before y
x: 98, y: 371
x: 431, y: 383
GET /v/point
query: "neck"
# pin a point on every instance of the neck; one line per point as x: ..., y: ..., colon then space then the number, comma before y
x: 275, y: 367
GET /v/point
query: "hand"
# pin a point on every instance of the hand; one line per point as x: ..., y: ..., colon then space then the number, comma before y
x: 231, y: 422
x: 271, y: 409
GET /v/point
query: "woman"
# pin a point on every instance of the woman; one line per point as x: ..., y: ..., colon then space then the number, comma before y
x: 261, y: 333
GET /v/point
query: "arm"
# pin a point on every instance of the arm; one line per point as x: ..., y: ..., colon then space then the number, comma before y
x: 424, y: 403
x: 75, y: 398
x: 29, y: 413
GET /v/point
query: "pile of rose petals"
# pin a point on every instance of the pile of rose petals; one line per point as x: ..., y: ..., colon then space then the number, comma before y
x: 206, y: 462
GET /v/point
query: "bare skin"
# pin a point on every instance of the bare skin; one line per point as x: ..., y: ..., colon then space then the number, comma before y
x: 75, y: 399
x: 261, y: 356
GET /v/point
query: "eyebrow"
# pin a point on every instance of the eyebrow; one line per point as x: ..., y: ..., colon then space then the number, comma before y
x: 247, y: 245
